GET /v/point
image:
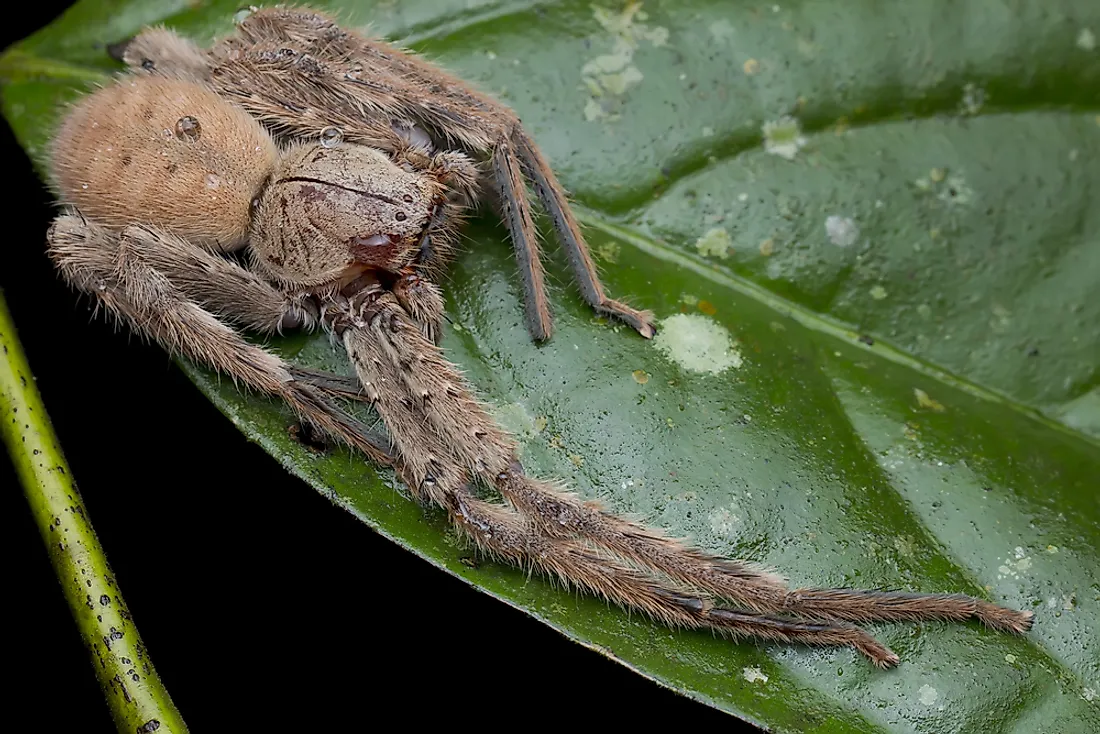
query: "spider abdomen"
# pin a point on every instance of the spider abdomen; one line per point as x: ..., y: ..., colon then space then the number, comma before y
x: 163, y: 152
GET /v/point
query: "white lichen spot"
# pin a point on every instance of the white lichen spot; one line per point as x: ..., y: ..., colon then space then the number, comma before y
x: 924, y: 311
x: 1011, y: 568
x: 878, y: 292
x: 750, y: 67
x: 842, y: 231
x: 640, y: 376
x: 742, y: 197
x: 609, y: 76
x: 754, y: 675
x: 767, y: 247
x: 973, y: 99
x: 707, y: 132
x: 1052, y: 549
x: 1086, y: 40
x: 783, y: 137
x: 1010, y: 659
x: 689, y: 299
x: 955, y: 191
x: 1089, y: 694
x: 715, y: 242
x: 697, y: 344
x: 723, y: 521
x: 928, y: 695
x: 926, y: 401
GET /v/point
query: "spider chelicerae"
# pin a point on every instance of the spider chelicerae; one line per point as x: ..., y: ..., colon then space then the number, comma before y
x: 342, y: 166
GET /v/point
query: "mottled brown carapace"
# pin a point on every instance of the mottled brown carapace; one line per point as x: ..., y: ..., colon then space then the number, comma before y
x: 343, y: 165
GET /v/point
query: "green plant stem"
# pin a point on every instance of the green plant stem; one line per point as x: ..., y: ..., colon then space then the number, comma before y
x: 135, y: 695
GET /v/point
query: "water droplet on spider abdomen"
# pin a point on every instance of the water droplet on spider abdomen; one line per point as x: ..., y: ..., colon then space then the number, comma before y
x: 331, y: 137
x: 188, y: 128
x: 212, y: 181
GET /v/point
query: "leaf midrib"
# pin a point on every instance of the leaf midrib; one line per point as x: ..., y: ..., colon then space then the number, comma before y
x: 821, y: 323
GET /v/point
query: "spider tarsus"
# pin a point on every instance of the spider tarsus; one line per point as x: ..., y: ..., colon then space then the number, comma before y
x: 640, y: 321
x: 1004, y: 620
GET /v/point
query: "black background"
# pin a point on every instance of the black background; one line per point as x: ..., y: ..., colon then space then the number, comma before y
x: 256, y: 614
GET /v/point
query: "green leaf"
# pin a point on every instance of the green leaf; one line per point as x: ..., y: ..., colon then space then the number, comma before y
x: 887, y: 209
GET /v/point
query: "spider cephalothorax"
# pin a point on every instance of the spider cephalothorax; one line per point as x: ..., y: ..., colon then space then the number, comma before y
x: 342, y: 165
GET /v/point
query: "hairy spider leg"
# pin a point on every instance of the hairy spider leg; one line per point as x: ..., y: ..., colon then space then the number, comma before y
x: 375, y: 330
x: 115, y: 269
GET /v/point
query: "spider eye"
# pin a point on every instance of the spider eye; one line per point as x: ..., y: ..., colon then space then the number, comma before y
x: 148, y: 64
x: 188, y: 128
x: 331, y: 137
x: 407, y: 198
x: 400, y: 216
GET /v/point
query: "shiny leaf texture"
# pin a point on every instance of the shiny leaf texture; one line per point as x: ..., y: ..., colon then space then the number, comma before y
x: 869, y: 229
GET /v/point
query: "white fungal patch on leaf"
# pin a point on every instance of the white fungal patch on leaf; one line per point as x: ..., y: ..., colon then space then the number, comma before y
x: 697, y: 344
x: 783, y: 137
x: 1013, y: 567
x: 842, y: 231
x: 609, y: 76
x: 928, y: 695
x: 955, y: 191
x: 754, y: 675
x: 715, y: 242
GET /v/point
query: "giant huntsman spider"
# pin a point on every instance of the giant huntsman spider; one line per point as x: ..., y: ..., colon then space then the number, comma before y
x: 343, y: 165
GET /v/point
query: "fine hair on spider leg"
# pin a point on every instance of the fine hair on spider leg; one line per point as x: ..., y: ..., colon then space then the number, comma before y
x: 343, y: 166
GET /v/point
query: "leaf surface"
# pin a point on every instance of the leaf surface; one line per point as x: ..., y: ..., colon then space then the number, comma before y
x: 870, y: 231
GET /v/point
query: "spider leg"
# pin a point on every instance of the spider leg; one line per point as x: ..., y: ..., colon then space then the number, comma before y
x: 556, y: 203
x: 422, y: 301
x: 112, y: 268
x: 437, y: 471
x: 227, y: 289
x: 736, y: 581
x: 456, y: 420
x: 507, y: 534
x: 521, y: 225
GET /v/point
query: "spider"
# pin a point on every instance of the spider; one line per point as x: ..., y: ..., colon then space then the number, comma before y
x: 342, y: 166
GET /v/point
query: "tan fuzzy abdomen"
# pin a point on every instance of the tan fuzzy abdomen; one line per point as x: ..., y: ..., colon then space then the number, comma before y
x: 164, y: 152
